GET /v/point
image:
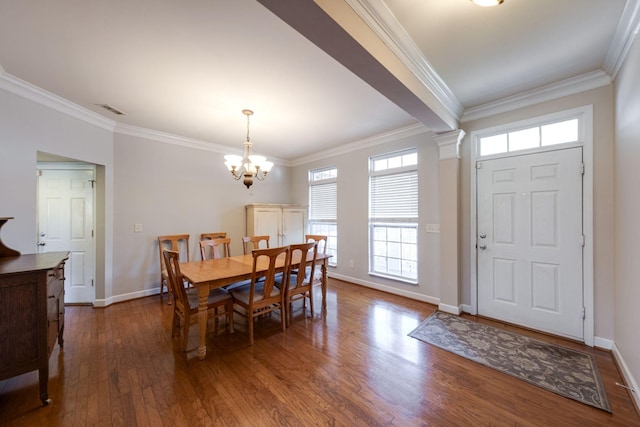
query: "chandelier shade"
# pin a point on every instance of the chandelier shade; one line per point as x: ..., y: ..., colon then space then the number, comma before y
x: 249, y: 166
x: 487, y: 3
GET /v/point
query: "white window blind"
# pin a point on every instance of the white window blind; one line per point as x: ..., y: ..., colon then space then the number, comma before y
x: 394, y: 196
x: 322, y: 201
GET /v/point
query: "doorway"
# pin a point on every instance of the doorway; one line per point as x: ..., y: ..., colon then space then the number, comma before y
x: 66, y: 222
x: 530, y: 241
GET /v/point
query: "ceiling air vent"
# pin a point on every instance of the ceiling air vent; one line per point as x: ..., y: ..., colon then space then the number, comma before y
x: 110, y: 108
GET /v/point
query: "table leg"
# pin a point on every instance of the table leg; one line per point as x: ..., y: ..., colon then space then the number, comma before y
x: 324, y: 286
x: 203, y: 298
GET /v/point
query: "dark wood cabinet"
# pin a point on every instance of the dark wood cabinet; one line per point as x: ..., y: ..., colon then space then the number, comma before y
x: 31, y: 314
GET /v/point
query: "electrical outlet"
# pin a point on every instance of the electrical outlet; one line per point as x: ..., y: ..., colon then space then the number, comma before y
x: 137, y: 228
x: 351, y: 264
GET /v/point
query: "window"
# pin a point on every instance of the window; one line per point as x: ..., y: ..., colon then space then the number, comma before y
x: 562, y: 132
x: 393, y: 215
x: 323, y: 208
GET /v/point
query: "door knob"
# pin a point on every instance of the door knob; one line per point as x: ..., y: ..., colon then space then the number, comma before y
x: 482, y: 247
x: 483, y: 235
x: 41, y: 244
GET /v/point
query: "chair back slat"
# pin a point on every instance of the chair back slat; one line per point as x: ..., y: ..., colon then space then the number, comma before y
x: 307, y: 265
x: 271, y: 255
x: 250, y: 243
x: 215, y: 248
x: 176, y: 282
x: 320, y: 239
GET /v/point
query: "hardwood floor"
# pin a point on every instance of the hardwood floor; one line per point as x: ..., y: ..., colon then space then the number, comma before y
x: 354, y: 367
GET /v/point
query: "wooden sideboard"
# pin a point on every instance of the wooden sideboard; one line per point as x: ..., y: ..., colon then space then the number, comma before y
x: 31, y: 314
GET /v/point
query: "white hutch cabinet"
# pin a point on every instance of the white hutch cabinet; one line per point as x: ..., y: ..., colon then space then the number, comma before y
x: 284, y: 224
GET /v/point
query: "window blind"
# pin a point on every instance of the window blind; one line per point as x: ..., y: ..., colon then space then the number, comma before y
x: 394, y: 196
x: 323, y: 201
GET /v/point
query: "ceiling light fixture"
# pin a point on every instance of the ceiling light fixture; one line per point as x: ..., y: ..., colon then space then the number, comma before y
x: 487, y: 3
x: 248, y: 166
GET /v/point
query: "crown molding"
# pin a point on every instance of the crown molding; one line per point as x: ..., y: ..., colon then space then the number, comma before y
x: 626, y: 33
x: 47, y: 99
x: 183, y: 141
x: 571, y: 86
x: 383, y: 138
x: 383, y: 23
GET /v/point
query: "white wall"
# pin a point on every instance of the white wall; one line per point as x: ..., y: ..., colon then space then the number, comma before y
x: 627, y: 216
x: 173, y: 189
x: 602, y: 101
x: 353, y: 184
x: 26, y: 128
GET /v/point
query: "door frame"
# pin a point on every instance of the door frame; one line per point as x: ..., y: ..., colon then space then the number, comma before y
x: 585, y: 115
x: 69, y: 166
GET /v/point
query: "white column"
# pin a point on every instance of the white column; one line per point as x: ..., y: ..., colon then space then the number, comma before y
x: 449, y: 200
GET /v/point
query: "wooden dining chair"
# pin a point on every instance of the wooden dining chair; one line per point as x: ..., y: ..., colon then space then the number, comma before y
x: 211, y: 236
x: 300, y: 286
x: 250, y: 243
x: 185, y: 307
x: 172, y: 242
x: 320, y: 239
x: 262, y: 296
x: 215, y: 248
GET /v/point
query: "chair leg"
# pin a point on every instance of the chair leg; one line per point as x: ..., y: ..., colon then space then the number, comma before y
x: 229, y: 312
x: 185, y: 332
x: 311, y: 301
x: 174, y: 324
x: 250, y: 321
x: 283, y: 316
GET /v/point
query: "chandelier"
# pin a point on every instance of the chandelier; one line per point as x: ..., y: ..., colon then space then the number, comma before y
x: 249, y: 165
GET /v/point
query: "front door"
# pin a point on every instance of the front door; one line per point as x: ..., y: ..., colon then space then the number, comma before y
x: 530, y: 241
x: 65, y: 223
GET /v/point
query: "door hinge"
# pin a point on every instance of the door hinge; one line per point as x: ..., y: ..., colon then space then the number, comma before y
x: 584, y: 313
x: 92, y: 283
x: 582, y: 240
x: 92, y: 181
x: 581, y: 168
x: 91, y: 233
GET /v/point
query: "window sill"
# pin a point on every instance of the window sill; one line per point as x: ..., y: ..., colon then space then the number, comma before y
x: 394, y: 278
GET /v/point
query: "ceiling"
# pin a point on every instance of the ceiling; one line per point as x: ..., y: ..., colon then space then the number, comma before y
x: 189, y: 67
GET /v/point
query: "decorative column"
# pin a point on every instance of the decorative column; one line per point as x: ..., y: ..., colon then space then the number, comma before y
x: 449, y: 201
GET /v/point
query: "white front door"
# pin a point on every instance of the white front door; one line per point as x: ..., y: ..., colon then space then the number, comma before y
x: 65, y: 223
x: 530, y: 241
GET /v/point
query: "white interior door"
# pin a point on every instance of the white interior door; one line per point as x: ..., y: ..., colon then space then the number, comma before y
x: 65, y: 223
x: 530, y: 241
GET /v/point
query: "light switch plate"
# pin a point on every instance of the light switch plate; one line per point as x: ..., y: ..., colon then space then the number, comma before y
x: 433, y: 228
x: 137, y: 228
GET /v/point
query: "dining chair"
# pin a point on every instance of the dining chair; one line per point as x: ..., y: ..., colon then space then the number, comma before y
x: 300, y: 286
x: 211, y: 236
x: 215, y: 248
x: 172, y: 242
x: 320, y: 239
x: 262, y: 296
x: 253, y: 242
x: 185, y: 307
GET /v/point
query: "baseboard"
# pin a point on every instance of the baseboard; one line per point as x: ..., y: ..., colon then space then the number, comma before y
x: 628, y: 377
x: 603, y: 343
x: 451, y: 309
x: 388, y: 289
x: 125, y: 297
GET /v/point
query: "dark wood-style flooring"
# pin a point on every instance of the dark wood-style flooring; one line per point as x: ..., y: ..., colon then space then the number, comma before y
x: 354, y: 367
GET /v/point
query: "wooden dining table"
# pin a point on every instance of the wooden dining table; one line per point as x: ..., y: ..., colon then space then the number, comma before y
x: 216, y: 273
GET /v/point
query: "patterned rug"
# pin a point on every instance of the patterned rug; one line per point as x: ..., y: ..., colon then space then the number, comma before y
x: 567, y: 372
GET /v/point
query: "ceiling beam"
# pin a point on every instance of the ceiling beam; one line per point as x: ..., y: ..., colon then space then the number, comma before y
x: 336, y: 28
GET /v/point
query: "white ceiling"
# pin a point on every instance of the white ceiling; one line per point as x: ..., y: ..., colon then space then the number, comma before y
x: 189, y: 67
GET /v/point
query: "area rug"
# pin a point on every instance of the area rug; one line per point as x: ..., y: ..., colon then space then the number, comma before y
x: 564, y: 371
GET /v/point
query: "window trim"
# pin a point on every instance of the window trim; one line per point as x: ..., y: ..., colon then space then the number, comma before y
x: 333, y: 261
x: 412, y: 222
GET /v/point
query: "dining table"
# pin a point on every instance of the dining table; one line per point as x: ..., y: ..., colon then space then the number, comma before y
x: 215, y: 273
